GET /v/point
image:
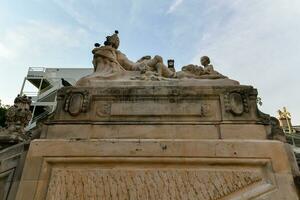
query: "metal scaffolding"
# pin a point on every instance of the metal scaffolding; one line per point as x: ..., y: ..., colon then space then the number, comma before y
x: 43, y: 86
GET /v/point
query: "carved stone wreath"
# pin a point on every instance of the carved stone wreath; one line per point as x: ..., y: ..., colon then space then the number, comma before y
x: 77, y: 102
x: 236, y: 103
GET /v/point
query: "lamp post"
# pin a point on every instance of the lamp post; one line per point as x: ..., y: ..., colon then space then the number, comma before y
x: 171, y: 64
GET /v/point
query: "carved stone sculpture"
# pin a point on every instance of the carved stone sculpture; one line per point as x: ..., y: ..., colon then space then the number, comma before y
x: 156, y: 65
x: 112, y: 137
x: 206, y: 71
x: 17, y: 118
x: 111, y: 64
x: 285, y: 120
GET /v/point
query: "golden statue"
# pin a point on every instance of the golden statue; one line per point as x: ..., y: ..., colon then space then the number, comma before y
x: 286, y: 115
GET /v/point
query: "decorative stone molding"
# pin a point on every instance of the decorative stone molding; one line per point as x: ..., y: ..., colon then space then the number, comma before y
x: 205, y: 110
x: 236, y: 103
x: 77, y: 102
x: 104, y: 109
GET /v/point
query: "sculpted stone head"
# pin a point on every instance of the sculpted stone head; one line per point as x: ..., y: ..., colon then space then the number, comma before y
x: 113, y: 40
x: 205, y: 61
x: 105, y: 56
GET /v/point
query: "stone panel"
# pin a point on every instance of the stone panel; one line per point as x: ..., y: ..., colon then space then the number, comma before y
x: 11, y: 165
x: 70, y: 183
x: 146, y: 131
x: 243, y: 131
x: 165, y: 102
x: 157, y: 169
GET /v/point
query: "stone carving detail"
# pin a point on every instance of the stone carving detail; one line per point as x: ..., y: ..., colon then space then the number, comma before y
x: 285, y: 120
x: 77, y: 102
x: 17, y: 118
x: 147, y: 183
x: 103, y: 109
x: 206, y: 71
x: 276, y: 130
x: 236, y: 103
x: 205, y: 110
x: 111, y: 64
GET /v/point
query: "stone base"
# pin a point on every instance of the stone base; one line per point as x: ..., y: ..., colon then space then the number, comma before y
x: 202, y: 109
x: 157, y: 169
x: 11, y: 165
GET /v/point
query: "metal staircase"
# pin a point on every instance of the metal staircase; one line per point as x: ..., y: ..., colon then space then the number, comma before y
x: 41, y: 84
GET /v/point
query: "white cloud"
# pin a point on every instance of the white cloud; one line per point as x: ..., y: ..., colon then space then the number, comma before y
x: 259, y: 45
x: 69, y: 7
x: 33, y: 44
x: 37, y: 36
x: 5, y: 52
x: 93, y: 15
x: 174, y: 6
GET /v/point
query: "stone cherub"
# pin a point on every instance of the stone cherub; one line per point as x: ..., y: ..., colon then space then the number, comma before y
x: 17, y: 118
x: 207, y: 67
x: 206, y: 71
x: 110, y: 63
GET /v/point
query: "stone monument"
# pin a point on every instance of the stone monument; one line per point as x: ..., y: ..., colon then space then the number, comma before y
x: 140, y: 130
x: 13, y: 146
x: 17, y: 118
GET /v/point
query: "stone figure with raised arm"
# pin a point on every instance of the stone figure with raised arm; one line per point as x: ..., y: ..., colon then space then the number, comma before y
x: 146, y: 63
x: 111, y: 64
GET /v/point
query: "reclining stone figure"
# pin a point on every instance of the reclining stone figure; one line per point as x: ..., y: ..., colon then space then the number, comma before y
x: 206, y: 71
x: 110, y: 63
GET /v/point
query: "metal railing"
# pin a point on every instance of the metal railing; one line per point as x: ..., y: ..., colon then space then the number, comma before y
x: 30, y: 94
x: 45, y: 89
x: 40, y: 116
x: 37, y: 69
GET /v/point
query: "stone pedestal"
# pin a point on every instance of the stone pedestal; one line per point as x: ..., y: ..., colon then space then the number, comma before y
x: 202, y: 109
x: 157, y: 169
x: 12, y: 160
x: 201, y: 139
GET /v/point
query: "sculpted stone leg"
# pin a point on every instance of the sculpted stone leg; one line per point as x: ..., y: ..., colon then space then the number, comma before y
x: 164, y: 71
x: 157, y: 64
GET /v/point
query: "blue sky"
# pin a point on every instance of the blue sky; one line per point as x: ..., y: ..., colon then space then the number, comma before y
x: 255, y: 42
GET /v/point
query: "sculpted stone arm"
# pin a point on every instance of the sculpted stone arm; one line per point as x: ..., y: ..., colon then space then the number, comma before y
x: 128, y: 64
x: 124, y: 61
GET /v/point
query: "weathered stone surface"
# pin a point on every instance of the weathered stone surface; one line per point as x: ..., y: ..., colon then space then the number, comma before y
x: 111, y: 64
x: 11, y: 165
x: 157, y: 169
x: 147, y: 183
x: 185, y: 109
x: 17, y: 118
x: 164, y: 140
x: 166, y: 131
x: 135, y: 130
x: 198, y: 72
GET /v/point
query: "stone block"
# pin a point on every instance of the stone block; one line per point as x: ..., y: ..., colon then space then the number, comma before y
x: 159, y: 169
x: 243, y: 131
x: 11, y: 166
